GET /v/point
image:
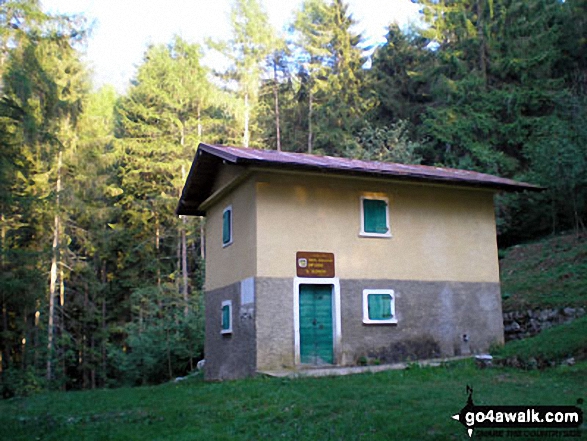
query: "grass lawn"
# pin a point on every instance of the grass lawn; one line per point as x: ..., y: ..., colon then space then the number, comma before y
x: 414, y: 404
x: 549, y: 273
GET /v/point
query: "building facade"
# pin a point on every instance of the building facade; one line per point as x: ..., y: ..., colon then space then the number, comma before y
x: 326, y: 261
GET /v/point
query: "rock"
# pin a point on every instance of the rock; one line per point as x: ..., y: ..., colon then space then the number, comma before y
x: 483, y: 360
x: 178, y: 379
x: 514, y: 362
x: 570, y: 312
x: 534, y: 326
x: 201, y: 364
x: 569, y: 361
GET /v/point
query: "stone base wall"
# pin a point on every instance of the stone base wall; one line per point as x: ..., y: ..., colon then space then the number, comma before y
x: 229, y: 356
x: 523, y: 324
x: 435, y: 319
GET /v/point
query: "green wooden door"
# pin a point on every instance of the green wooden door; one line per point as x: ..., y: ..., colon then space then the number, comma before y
x: 316, y: 324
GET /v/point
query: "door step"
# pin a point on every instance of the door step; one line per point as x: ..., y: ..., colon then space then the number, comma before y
x: 350, y: 370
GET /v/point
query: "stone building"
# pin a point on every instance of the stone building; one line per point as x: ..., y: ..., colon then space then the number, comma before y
x: 314, y: 261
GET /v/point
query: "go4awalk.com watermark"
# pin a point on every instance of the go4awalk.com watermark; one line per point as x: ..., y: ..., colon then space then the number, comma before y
x: 520, y: 421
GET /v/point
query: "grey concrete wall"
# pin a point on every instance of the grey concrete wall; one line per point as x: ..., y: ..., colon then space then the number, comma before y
x: 275, y: 323
x: 229, y: 356
x: 433, y: 318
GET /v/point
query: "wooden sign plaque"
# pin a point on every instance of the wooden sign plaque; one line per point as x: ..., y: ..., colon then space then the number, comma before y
x: 313, y: 264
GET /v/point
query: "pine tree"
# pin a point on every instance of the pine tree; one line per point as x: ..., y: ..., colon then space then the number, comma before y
x: 400, y: 77
x: 330, y: 64
x: 43, y: 90
x: 160, y: 123
x: 253, y: 40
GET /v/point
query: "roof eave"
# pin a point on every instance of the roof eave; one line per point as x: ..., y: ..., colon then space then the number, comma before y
x: 221, y: 155
x: 497, y: 186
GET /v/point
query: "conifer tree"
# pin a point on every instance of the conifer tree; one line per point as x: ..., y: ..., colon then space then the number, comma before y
x: 43, y: 90
x: 160, y: 124
x: 252, y: 41
x: 330, y: 60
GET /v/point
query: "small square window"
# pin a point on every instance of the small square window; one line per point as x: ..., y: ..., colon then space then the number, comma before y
x: 226, y: 317
x: 379, y: 306
x: 375, y: 217
x: 227, y: 226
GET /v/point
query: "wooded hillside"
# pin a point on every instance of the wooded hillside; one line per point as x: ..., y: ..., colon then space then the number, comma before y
x: 100, y: 282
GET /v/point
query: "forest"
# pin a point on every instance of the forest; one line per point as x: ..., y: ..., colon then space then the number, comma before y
x: 101, y: 283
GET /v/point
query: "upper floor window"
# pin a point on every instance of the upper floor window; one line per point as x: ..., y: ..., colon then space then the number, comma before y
x: 227, y: 226
x: 375, y: 217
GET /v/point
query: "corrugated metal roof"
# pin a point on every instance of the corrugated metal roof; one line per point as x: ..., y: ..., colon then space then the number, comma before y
x: 203, y: 170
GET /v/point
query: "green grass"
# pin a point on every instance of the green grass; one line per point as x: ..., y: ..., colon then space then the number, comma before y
x: 414, y: 404
x: 548, y: 273
x: 553, y: 344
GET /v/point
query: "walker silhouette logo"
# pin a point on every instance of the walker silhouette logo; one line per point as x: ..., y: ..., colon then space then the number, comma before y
x: 522, y: 417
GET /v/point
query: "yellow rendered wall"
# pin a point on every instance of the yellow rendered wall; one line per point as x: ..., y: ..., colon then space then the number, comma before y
x: 235, y: 262
x: 438, y: 233
x: 227, y: 173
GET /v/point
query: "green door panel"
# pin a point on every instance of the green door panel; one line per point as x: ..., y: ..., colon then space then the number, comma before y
x: 316, y: 330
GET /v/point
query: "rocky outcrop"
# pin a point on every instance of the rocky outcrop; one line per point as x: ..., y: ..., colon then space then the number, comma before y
x: 522, y: 324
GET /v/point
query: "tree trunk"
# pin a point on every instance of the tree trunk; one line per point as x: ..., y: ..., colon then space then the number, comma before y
x: 62, y: 324
x: 93, y: 370
x: 202, y: 239
x: 55, y: 260
x: 184, y: 257
x: 310, y: 104
x: 482, y: 43
x: 4, y: 353
x: 184, y: 265
x: 104, y: 329
x: 158, y: 257
x: 169, y: 354
x: 246, y: 135
x: 276, y: 95
x: 25, y: 341
x: 199, y: 122
x: 83, y: 351
x: 52, y: 293
x: 182, y: 135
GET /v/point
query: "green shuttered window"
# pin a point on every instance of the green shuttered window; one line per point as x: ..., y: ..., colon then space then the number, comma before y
x: 226, y: 317
x: 378, y: 306
x: 375, y: 217
x: 227, y: 226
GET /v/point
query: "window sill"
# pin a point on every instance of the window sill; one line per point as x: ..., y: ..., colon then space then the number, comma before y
x: 380, y: 322
x: 224, y: 245
x: 226, y: 331
x: 384, y: 235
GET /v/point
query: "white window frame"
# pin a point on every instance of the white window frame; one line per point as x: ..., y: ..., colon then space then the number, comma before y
x: 366, y: 319
x: 229, y: 304
x: 224, y: 245
x: 364, y: 233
